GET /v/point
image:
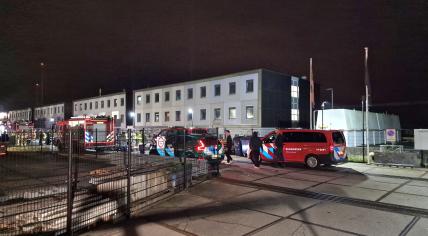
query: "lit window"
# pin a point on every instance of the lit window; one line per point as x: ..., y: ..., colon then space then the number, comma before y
x: 232, y: 113
x: 203, y: 114
x: 139, y: 100
x: 294, y: 91
x: 217, y: 113
x: 294, y: 114
x: 156, y: 116
x: 250, y: 112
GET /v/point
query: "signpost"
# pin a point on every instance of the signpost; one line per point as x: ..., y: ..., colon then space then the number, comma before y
x: 391, y: 135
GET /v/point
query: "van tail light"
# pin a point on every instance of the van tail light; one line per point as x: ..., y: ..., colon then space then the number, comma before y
x: 201, y: 146
x: 331, y: 148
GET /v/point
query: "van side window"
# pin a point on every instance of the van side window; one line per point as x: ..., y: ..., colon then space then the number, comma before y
x: 270, y: 138
x: 318, y: 138
x: 338, y: 138
x: 304, y: 137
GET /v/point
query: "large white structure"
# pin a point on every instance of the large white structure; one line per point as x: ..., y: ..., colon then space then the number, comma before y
x: 252, y: 100
x: 351, y: 122
x: 113, y: 105
x: 46, y: 116
x: 20, y: 115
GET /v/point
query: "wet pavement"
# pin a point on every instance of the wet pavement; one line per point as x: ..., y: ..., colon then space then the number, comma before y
x: 350, y: 199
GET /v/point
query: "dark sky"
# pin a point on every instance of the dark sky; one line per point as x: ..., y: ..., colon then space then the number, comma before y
x: 91, y: 44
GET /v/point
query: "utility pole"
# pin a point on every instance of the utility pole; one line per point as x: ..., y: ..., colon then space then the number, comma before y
x: 42, y: 82
x: 363, y: 118
x: 367, y: 84
x: 331, y: 90
x: 312, y: 94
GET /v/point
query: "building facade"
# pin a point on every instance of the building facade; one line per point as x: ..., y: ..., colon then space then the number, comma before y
x: 46, y: 116
x: 251, y: 100
x: 24, y: 115
x: 112, y: 105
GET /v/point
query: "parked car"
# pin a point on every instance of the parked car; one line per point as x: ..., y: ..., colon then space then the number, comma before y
x: 311, y: 147
x: 241, y: 145
x: 193, y: 143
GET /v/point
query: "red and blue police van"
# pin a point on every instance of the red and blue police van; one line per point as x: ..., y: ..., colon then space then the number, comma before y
x: 310, y: 147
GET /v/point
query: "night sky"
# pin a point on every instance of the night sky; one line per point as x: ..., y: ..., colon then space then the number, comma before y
x: 91, y: 44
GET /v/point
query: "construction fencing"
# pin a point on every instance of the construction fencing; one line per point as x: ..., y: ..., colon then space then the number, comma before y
x: 56, y: 183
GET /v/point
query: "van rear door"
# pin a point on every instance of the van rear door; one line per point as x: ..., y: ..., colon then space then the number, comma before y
x: 339, y: 145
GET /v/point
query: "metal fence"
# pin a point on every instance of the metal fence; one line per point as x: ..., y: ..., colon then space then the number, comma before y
x: 57, y: 183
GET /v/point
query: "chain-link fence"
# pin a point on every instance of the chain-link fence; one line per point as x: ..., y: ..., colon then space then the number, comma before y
x: 64, y: 182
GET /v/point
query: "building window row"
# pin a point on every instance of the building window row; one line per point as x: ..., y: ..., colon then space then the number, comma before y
x: 203, y: 92
x: 84, y: 106
x: 249, y: 114
x: 49, y: 111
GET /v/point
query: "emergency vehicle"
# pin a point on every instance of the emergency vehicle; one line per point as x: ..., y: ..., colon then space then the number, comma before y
x: 310, y: 147
x: 97, y: 132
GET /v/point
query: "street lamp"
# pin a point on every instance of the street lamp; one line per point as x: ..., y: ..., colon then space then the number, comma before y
x: 331, y: 90
x: 190, y: 112
x: 322, y: 114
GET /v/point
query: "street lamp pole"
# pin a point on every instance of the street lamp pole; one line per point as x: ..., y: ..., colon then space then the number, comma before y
x: 42, y: 82
x: 332, y: 95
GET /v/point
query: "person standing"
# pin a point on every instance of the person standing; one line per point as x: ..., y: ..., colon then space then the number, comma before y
x: 255, y: 145
x: 278, y: 144
x: 229, y: 145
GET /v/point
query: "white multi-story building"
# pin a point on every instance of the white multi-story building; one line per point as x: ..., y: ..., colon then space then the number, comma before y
x: 46, y: 116
x: 112, y: 105
x: 251, y: 100
x: 20, y: 115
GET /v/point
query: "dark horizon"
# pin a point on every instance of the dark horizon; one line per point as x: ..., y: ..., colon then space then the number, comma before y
x: 135, y: 44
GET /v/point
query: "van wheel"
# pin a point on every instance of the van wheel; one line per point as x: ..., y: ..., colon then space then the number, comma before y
x: 312, y: 162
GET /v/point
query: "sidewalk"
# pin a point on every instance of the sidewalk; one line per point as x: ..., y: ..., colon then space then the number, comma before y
x: 217, y: 207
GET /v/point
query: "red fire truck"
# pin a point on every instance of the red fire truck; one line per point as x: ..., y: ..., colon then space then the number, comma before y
x: 97, y: 132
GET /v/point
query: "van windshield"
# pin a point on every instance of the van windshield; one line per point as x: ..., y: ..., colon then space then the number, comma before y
x: 338, y: 138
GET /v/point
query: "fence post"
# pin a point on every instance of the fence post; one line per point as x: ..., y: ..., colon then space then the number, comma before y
x: 184, y: 161
x: 96, y: 143
x: 128, y: 175
x: 69, y: 186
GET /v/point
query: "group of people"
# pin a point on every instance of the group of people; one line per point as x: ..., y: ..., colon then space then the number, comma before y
x: 254, y: 148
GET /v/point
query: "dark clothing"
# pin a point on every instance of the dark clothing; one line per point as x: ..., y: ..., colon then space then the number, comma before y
x: 255, y: 157
x: 229, y: 145
x: 255, y: 145
x: 279, y: 141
